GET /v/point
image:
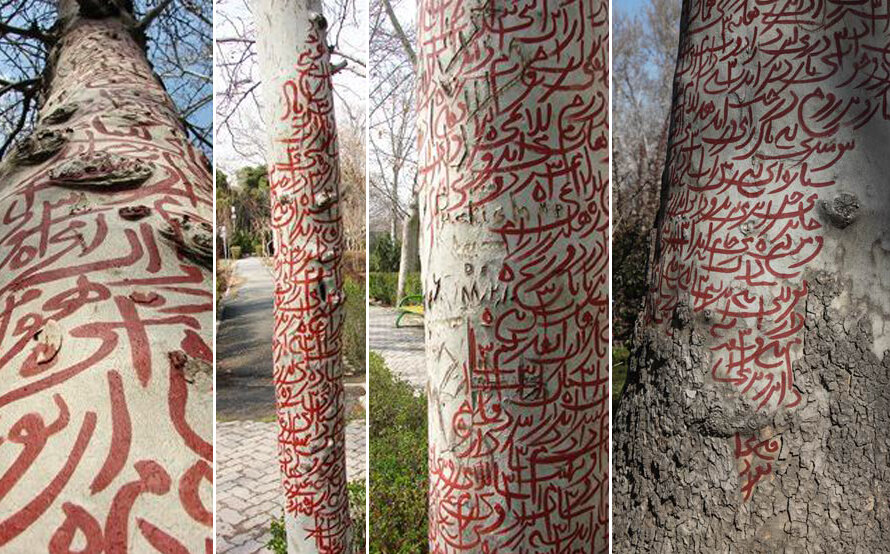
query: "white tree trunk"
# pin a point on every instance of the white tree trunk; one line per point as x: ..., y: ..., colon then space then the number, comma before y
x: 304, y: 182
x: 409, y: 250
x: 513, y: 174
x: 106, y: 302
x: 758, y: 388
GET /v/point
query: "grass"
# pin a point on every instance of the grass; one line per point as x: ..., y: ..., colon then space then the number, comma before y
x: 398, y: 465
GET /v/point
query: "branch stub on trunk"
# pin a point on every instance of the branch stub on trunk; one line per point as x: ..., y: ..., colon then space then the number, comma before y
x: 101, y: 169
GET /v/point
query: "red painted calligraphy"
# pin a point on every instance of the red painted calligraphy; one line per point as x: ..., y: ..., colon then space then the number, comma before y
x: 771, y: 98
x: 306, y: 221
x: 104, y: 283
x: 513, y: 143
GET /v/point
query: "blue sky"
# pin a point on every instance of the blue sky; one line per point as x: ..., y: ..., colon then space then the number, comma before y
x: 627, y: 7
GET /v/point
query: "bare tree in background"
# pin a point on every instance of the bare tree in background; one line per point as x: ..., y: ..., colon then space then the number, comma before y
x: 239, y: 118
x: 105, y: 248
x: 393, y: 127
x: 643, y: 61
x: 178, y: 38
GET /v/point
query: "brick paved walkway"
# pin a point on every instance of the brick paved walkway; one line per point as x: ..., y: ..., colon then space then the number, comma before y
x: 248, y: 492
x: 401, y: 348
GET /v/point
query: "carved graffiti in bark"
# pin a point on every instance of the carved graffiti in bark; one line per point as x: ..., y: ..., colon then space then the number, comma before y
x: 513, y: 143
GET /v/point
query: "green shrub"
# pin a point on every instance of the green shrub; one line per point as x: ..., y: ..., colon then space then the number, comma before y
x: 382, y: 286
x: 357, y: 496
x: 354, y: 326
x: 245, y: 241
x: 278, y: 540
x: 385, y: 254
x: 398, y: 464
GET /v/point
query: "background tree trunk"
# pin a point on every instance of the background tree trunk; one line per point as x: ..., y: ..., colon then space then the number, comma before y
x: 513, y: 174
x: 757, y: 406
x: 304, y: 181
x: 409, y: 252
x: 394, y: 207
x: 105, y: 308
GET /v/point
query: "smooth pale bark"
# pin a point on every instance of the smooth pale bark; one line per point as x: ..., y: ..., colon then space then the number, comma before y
x: 756, y: 414
x: 304, y: 184
x: 513, y: 189
x: 106, y: 401
x: 409, y: 250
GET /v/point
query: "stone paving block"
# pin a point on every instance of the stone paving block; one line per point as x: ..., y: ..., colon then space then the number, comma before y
x: 250, y: 547
x: 248, y: 484
x: 402, y: 349
x: 228, y: 515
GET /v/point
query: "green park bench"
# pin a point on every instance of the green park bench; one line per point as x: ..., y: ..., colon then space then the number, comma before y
x: 410, y: 305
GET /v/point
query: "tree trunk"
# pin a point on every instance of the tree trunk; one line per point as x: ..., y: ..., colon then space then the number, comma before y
x: 758, y: 401
x: 304, y: 182
x: 409, y: 253
x: 106, y: 317
x: 513, y: 174
x: 394, y: 206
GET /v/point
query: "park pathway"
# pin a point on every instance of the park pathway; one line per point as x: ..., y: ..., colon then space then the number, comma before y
x: 402, y: 349
x: 248, y: 489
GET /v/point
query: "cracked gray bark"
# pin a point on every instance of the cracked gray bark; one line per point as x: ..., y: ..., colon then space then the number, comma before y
x: 772, y: 241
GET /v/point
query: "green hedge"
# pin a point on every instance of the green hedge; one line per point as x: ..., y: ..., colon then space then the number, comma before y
x: 382, y: 286
x: 354, y: 326
x: 385, y: 254
x: 398, y: 464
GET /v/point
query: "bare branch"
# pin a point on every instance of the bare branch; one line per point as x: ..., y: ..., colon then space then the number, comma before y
x: 153, y: 14
x: 400, y: 33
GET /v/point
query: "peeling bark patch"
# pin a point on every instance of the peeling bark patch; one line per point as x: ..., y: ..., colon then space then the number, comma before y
x: 60, y: 115
x: 40, y: 146
x: 842, y: 211
x: 816, y: 469
x: 101, y: 170
x: 324, y: 199
x: 192, y: 240
x: 134, y: 213
x: 194, y: 371
x: 146, y: 298
x: 49, y: 341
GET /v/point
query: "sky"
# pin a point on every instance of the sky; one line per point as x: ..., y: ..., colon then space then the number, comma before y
x: 628, y: 7
x: 353, y: 40
x: 21, y: 17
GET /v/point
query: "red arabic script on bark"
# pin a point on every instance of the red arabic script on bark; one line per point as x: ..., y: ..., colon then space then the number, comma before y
x: 770, y: 98
x: 308, y: 306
